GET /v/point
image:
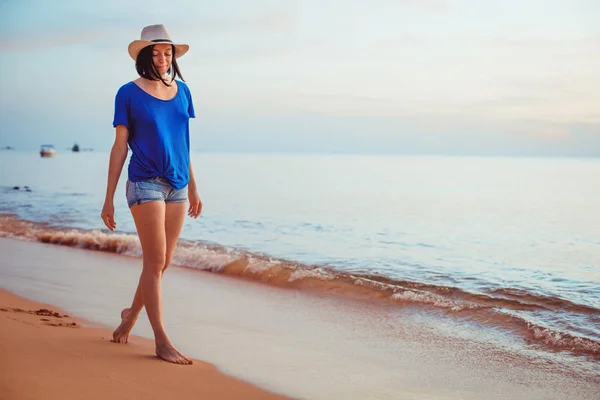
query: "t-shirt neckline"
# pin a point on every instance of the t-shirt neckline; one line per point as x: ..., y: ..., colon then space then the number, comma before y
x: 156, y: 98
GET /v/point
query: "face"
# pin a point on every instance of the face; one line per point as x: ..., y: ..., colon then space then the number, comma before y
x: 162, y: 56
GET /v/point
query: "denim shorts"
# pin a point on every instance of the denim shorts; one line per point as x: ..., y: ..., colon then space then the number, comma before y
x: 152, y: 190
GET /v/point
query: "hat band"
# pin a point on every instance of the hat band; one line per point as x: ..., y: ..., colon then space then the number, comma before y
x: 161, y: 40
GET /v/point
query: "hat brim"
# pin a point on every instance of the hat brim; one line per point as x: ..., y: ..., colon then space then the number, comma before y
x: 137, y: 45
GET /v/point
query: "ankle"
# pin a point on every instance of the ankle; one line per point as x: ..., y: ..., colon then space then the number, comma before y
x: 162, y: 340
x: 135, y: 312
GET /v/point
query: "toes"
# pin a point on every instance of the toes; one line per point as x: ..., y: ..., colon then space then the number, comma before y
x: 117, y: 338
x: 171, y: 354
x: 175, y: 357
x: 178, y: 359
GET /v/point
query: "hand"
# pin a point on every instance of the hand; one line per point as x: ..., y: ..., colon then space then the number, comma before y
x: 108, y: 215
x: 195, y: 204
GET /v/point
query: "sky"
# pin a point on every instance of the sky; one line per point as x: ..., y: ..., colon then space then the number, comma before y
x: 454, y: 77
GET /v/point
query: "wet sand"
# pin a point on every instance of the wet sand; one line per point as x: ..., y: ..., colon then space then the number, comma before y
x: 281, y: 340
x: 47, y: 354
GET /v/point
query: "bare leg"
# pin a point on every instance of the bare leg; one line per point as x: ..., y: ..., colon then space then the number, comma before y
x: 175, y: 215
x: 174, y: 218
x: 129, y: 316
x: 150, y: 220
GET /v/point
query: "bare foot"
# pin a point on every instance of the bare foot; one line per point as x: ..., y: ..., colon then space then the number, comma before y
x: 169, y: 353
x: 121, y: 334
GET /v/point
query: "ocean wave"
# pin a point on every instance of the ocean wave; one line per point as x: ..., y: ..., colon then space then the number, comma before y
x: 500, y: 307
x: 537, y: 334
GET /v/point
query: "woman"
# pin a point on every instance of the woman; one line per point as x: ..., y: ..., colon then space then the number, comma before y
x: 152, y: 116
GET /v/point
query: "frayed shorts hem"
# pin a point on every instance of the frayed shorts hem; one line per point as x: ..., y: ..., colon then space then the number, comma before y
x: 156, y: 189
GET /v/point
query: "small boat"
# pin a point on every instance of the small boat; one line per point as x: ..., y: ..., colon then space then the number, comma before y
x: 75, y: 148
x: 47, y: 150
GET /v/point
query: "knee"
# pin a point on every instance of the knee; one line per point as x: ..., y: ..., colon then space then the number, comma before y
x: 166, y: 264
x: 154, y: 265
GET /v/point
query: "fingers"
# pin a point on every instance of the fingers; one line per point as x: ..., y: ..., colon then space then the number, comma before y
x: 109, y: 221
x: 195, y: 209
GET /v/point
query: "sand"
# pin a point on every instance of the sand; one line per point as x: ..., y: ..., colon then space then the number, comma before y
x: 285, y: 341
x: 46, y: 354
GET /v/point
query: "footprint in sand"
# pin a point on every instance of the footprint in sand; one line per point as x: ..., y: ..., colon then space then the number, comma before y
x: 45, y: 313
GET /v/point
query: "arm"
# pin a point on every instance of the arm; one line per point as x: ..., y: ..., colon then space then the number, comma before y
x: 118, y: 154
x: 195, y: 202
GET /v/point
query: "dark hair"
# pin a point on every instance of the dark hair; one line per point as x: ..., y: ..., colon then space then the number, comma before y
x: 146, y: 69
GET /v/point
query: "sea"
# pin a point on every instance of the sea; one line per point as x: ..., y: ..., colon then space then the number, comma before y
x: 506, y: 246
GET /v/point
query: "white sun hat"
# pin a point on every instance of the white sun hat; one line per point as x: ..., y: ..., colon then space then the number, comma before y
x: 155, y: 34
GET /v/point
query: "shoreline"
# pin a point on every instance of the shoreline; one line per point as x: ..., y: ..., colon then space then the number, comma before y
x: 46, y: 351
x: 523, y: 313
x: 285, y: 341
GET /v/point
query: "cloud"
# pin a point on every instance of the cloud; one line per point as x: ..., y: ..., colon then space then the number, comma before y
x: 30, y: 32
x: 270, y: 21
x: 429, y: 5
x: 81, y: 26
x: 44, y: 41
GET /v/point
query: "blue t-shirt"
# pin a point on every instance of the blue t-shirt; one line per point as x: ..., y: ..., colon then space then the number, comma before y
x: 159, y: 133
